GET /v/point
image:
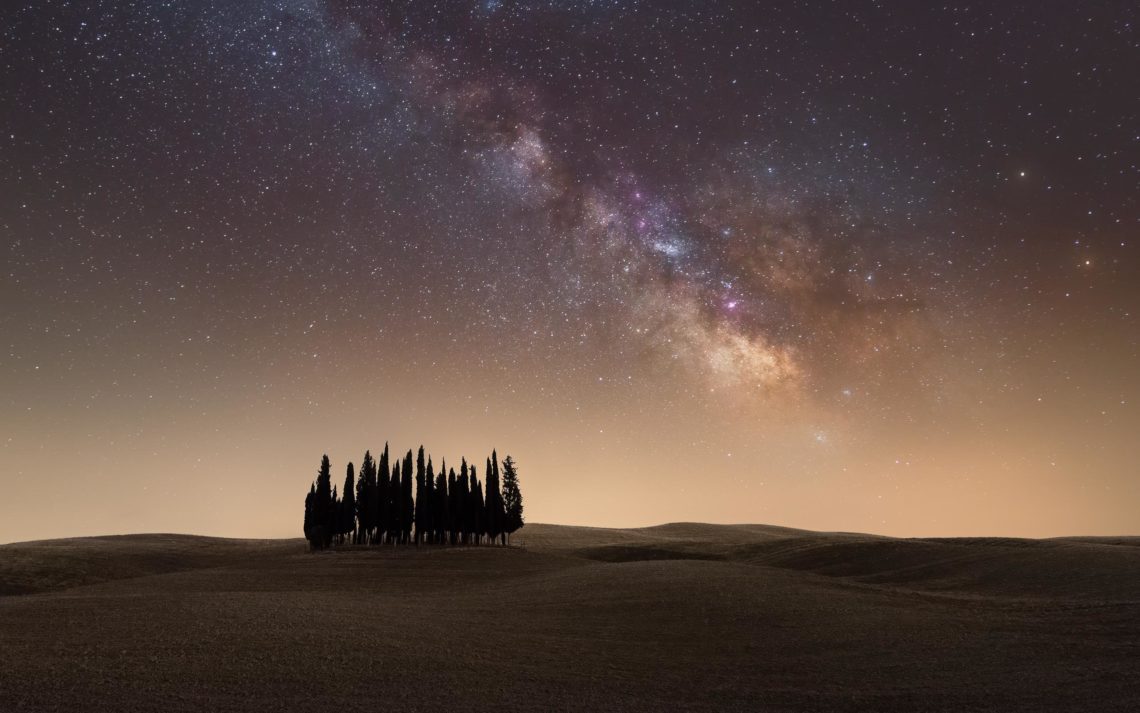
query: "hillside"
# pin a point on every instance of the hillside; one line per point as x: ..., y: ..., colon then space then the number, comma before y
x: 682, y: 616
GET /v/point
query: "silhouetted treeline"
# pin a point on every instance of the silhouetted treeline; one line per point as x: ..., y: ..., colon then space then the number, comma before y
x: 377, y: 506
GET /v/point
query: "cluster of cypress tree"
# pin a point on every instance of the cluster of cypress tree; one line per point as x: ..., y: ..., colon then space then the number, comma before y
x: 377, y: 505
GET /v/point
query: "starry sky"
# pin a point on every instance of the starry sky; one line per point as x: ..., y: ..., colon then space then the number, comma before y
x: 866, y: 265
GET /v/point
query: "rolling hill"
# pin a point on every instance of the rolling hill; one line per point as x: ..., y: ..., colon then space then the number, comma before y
x: 684, y: 616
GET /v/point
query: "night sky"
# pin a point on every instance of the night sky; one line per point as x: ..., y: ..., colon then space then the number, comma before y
x: 838, y: 265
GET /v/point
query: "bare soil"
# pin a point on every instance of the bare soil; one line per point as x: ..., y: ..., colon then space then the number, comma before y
x: 683, y: 616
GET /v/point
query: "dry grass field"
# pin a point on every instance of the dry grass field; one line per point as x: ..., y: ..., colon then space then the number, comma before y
x: 676, y: 617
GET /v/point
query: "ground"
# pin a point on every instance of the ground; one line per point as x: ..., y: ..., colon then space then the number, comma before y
x: 677, y: 617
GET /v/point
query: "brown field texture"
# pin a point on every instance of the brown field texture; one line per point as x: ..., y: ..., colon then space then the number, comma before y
x: 684, y: 616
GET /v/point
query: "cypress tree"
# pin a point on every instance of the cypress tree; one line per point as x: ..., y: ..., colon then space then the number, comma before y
x: 322, y: 510
x: 348, y: 508
x: 379, y: 503
x: 364, y: 485
x: 489, y: 503
x: 512, y: 497
x: 310, y: 516
x: 439, y: 516
x: 338, y: 517
x: 463, y: 503
x: 360, y: 500
x: 494, y: 501
x: 428, y: 504
x: 382, y: 511
x: 376, y: 506
x: 452, y: 507
x: 478, y: 524
x: 407, y: 503
x: 418, y: 518
x: 500, y: 509
x: 334, y: 518
x: 485, y: 516
x: 394, y: 503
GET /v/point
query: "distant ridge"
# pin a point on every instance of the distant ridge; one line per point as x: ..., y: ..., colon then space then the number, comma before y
x: 1087, y: 568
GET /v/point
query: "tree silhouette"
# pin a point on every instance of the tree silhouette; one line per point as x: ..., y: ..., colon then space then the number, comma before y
x: 462, y: 499
x: 421, y: 471
x: 333, y: 524
x: 407, y: 503
x: 439, y: 515
x: 494, y: 501
x: 346, y: 522
x: 311, y: 516
x: 453, y: 524
x: 512, y: 497
x: 395, y: 501
x: 478, y: 526
x: 383, y: 506
x: 365, y: 493
x: 323, y: 505
x: 380, y: 504
x: 427, y: 504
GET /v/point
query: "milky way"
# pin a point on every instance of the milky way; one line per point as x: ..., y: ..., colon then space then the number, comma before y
x: 839, y: 265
